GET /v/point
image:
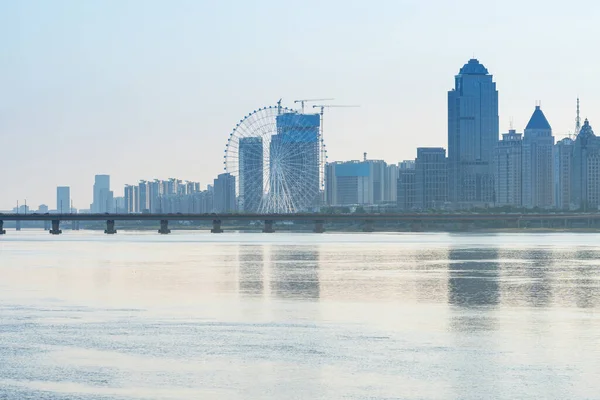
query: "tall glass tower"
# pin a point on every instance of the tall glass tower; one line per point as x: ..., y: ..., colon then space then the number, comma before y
x: 251, y: 172
x: 473, y: 133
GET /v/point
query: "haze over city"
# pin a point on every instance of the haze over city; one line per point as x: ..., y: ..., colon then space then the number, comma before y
x: 149, y: 89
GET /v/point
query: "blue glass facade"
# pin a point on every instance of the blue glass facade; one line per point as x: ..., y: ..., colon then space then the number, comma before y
x: 251, y: 173
x: 473, y: 132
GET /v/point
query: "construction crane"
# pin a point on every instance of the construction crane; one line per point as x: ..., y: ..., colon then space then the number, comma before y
x: 323, y: 150
x: 324, y: 106
x: 309, y: 101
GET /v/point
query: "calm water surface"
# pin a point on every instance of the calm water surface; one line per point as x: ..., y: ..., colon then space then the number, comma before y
x: 299, y: 316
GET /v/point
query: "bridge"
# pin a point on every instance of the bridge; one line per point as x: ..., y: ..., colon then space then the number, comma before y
x: 319, y: 219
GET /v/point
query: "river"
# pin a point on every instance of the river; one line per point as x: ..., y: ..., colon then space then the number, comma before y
x: 194, y: 315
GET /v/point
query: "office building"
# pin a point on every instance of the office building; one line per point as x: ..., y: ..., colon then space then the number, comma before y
x: 473, y: 132
x: 251, y: 173
x: 349, y: 183
x: 63, y: 199
x: 431, y: 178
x: 538, y: 171
x: 508, y: 169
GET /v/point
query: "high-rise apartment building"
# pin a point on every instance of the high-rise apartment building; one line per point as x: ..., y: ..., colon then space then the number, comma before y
x: 473, y: 131
x: 431, y: 178
x: 130, y: 198
x: 224, y: 200
x: 391, y: 183
x: 538, y: 171
x: 143, y: 197
x: 251, y: 173
x: 103, y: 196
x: 406, y: 193
x: 378, y: 173
x: 585, y: 172
x: 63, y: 199
x: 563, y: 164
x: 508, y: 169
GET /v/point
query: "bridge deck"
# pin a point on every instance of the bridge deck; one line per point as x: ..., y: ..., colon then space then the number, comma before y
x: 409, y: 217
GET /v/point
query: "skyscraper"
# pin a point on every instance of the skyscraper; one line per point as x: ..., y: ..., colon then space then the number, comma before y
x: 472, y: 136
x: 294, y: 161
x: 431, y: 178
x: 103, y: 196
x: 251, y: 174
x: 538, y: 172
x: 508, y: 169
x: 63, y: 199
x: 585, y: 172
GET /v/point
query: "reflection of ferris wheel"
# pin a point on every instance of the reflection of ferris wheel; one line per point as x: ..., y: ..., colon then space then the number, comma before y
x: 276, y: 157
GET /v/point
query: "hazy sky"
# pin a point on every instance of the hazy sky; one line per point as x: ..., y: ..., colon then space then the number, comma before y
x: 151, y: 89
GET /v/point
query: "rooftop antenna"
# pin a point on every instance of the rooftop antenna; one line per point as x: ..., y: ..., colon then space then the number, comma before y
x: 577, y: 119
x: 279, y: 107
x: 511, y: 125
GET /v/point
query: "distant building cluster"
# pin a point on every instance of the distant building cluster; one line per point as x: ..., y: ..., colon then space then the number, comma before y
x: 520, y: 170
x: 164, y: 196
x: 278, y: 167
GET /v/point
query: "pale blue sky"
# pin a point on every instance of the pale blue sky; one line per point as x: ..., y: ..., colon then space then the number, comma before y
x: 144, y: 89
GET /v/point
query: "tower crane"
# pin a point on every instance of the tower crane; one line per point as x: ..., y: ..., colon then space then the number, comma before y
x: 323, y: 150
x: 323, y: 107
x: 309, y: 101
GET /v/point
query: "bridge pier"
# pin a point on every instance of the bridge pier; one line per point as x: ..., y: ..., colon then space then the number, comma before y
x: 216, y: 226
x: 75, y: 225
x: 2, y: 230
x: 55, y: 227
x: 46, y: 225
x: 319, y: 226
x: 368, y: 226
x: 18, y: 225
x: 110, y: 227
x: 164, y: 227
x: 268, y: 228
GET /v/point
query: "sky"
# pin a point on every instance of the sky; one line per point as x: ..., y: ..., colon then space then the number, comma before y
x: 144, y: 89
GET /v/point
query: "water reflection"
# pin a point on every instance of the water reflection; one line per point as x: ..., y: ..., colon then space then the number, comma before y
x: 473, y: 277
x: 251, y: 269
x: 538, y: 287
x: 295, y: 271
x: 586, y: 294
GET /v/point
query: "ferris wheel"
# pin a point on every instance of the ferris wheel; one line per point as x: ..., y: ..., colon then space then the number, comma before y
x: 276, y: 155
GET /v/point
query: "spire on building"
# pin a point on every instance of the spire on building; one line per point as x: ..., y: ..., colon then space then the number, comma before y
x: 538, y: 120
x: 577, y: 119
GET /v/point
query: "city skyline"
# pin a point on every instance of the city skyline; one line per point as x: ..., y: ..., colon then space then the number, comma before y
x: 83, y: 120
